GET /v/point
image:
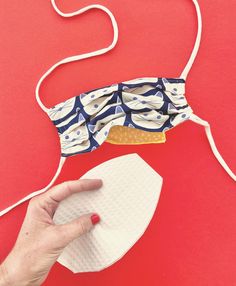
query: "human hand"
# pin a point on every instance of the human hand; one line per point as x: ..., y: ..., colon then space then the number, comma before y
x: 40, y: 242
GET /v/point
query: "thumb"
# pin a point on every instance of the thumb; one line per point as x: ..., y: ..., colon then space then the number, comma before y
x: 77, y: 227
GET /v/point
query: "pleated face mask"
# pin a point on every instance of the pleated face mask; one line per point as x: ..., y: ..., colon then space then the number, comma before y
x: 137, y: 111
x: 148, y: 104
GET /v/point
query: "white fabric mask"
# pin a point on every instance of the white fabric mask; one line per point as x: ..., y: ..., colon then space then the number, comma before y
x: 125, y: 203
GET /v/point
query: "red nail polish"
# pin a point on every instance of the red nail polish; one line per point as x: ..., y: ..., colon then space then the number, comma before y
x: 95, y: 219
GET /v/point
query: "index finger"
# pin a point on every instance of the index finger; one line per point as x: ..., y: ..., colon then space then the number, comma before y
x: 65, y: 189
x: 50, y: 199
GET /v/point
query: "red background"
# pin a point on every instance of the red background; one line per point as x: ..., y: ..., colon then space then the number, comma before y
x: 192, y: 237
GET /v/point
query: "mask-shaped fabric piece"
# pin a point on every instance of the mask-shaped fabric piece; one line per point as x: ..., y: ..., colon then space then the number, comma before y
x: 148, y: 104
x: 126, y: 204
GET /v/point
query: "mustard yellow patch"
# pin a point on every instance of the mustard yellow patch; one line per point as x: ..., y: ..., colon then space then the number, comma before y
x: 123, y: 135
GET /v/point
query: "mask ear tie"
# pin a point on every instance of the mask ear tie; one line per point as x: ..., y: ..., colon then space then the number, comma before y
x: 197, y: 42
x: 214, y: 149
x: 30, y: 196
x: 80, y: 56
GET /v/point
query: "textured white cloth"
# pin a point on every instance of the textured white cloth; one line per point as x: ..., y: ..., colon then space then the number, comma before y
x: 125, y: 203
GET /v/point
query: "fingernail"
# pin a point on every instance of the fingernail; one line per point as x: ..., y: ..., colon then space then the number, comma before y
x: 95, y: 219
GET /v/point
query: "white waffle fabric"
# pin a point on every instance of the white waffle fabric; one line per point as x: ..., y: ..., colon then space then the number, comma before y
x: 126, y: 204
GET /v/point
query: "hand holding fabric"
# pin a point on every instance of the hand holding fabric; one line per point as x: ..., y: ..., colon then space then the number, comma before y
x: 40, y: 242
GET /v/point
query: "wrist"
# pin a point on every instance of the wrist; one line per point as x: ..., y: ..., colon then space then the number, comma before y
x: 8, y: 278
x: 15, y: 273
x: 3, y: 276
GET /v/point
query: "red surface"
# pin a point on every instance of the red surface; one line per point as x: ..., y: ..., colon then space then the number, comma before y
x: 192, y: 238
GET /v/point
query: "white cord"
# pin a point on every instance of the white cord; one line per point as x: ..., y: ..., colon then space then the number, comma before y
x: 112, y: 45
x: 210, y: 138
x: 82, y: 56
x: 194, y: 117
x: 197, y: 42
x: 30, y: 196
